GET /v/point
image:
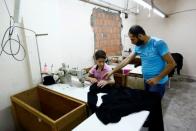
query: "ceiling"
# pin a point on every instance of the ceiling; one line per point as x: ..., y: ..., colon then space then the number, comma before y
x: 166, y: 6
x: 171, y: 6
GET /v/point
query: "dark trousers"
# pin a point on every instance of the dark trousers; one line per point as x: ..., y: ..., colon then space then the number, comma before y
x: 158, y: 88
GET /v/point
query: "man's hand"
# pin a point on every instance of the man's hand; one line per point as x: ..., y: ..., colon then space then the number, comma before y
x: 107, y: 75
x: 153, y: 81
x: 93, y: 80
x: 102, y: 83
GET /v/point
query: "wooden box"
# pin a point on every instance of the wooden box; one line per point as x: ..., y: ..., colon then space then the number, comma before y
x: 40, y: 109
x: 135, y: 82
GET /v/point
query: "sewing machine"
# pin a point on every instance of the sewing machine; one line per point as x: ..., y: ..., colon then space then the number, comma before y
x: 65, y: 74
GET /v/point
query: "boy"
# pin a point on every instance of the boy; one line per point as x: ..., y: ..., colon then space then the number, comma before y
x: 96, y: 77
x: 96, y: 73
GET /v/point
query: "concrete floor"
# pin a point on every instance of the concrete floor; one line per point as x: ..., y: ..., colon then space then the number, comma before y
x: 179, y: 105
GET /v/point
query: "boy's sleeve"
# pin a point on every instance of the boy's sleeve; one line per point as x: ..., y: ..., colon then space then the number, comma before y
x: 109, y: 68
x: 162, y: 48
x: 91, y: 71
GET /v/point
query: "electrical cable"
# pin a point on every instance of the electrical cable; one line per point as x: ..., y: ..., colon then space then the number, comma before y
x: 9, y: 42
x: 7, y: 8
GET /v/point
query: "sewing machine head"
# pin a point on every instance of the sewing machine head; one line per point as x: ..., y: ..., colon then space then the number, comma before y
x: 65, y: 74
x: 81, y: 76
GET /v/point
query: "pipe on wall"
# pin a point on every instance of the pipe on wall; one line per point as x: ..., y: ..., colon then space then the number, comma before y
x: 122, y: 10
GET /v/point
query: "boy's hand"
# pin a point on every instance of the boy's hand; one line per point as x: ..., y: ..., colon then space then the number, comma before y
x: 102, y: 83
x: 93, y: 80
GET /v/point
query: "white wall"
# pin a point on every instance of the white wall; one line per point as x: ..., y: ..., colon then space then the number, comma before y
x: 14, y: 76
x: 70, y: 40
x: 178, y: 30
x: 127, y: 23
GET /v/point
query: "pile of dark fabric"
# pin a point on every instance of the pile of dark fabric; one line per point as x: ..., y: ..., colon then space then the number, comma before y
x: 178, y: 58
x: 121, y: 101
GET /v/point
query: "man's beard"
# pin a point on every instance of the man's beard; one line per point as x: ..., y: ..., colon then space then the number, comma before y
x: 139, y: 43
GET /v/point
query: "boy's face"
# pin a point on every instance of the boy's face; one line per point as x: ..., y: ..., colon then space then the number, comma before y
x: 100, y: 62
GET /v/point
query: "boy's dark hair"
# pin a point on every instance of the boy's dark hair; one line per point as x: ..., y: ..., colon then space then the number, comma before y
x: 100, y: 54
x: 136, y: 30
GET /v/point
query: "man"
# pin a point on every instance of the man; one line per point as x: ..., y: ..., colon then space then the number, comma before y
x: 155, y: 57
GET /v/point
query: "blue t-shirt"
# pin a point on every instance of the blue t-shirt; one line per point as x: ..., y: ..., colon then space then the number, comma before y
x: 152, y: 58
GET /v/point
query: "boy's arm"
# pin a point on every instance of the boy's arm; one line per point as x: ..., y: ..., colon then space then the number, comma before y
x: 91, y: 78
x: 88, y: 77
x: 103, y: 83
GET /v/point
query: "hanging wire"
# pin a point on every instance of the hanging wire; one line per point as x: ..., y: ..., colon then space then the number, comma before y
x: 8, y: 43
x: 7, y: 8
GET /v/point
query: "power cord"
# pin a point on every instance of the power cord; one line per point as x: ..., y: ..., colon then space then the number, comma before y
x: 9, y: 42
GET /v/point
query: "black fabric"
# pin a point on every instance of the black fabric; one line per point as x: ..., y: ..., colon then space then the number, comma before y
x: 48, y: 80
x: 178, y: 58
x: 121, y: 102
x: 92, y: 95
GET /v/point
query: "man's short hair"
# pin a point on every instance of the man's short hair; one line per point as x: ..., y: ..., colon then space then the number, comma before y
x: 136, y: 30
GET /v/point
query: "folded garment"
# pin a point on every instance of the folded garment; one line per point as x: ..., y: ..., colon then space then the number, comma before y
x: 119, y: 102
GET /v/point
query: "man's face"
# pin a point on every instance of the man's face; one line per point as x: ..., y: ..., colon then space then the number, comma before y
x: 135, y: 40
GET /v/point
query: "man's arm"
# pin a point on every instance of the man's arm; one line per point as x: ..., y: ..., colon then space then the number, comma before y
x: 122, y: 64
x: 111, y: 80
x: 170, y: 65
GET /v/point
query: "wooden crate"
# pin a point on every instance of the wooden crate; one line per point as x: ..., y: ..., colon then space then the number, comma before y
x: 40, y: 109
